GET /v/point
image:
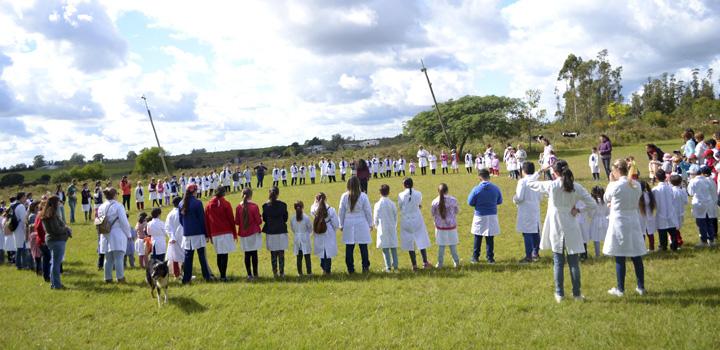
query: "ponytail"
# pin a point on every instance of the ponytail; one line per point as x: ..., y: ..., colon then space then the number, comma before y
x: 442, y: 191
x: 408, y: 183
x: 186, y: 202
x: 246, y: 195
x: 319, y: 223
x: 299, y: 210
x: 568, y: 179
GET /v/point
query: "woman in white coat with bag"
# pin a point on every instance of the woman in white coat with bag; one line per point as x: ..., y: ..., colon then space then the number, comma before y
x: 174, y: 232
x: 624, y: 236
x: 561, y: 231
x: 385, y: 220
x: 115, y: 242
x: 325, y: 243
x: 355, y: 223
x: 413, y: 232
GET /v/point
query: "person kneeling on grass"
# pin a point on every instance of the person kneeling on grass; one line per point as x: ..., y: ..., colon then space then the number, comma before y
x: 624, y: 236
x: 561, y: 231
x: 485, y: 198
x: 444, y: 210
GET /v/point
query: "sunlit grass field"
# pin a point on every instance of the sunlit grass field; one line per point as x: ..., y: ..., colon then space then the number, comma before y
x: 507, y: 305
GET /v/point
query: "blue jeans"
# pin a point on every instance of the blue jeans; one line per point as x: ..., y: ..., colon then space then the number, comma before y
x: 489, y: 248
x: 706, y: 227
x: 62, y: 212
x: 72, y: 203
x: 22, y: 258
x: 114, y: 259
x: 559, y: 265
x: 188, y: 265
x: 620, y: 272
x: 453, y: 252
x: 57, y: 252
x: 532, y: 244
x: 391, y: 258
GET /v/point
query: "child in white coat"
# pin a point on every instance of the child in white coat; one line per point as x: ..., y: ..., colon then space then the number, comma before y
x: 325, y: 240
x: 680, y: 201
x: 528, y: 214
x: 665, y: 217
x: 141, y: 230
x: 413, y: 233
x: 302, y: 228
x: 156, y: 231
x: 174, y: 232
x: 594, y: 163
x: 600, y: 220
x: 444, y: 210
x: 647, y: 214
x: 385, y: 221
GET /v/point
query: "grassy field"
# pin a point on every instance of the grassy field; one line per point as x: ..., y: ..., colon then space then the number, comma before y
x: 506, y: 305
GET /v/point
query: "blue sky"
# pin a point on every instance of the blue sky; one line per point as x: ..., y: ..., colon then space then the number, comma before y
x: 225, y: 75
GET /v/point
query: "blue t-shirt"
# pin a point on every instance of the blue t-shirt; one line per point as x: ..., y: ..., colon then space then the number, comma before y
x: 485, y: 197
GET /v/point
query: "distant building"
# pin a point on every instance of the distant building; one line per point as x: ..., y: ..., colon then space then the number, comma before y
x: 369, y: 143
x: 315, y: 149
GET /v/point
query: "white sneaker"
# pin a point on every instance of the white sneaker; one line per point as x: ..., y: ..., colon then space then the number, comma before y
x: 456, y: 264
x: 615, y: 292
x: 640, y: 291
x: 438, y: 266
x: 559, y: 298
x: 579, y: 298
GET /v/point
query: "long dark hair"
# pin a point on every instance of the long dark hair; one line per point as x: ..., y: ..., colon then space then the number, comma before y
x: 246, y: 195
x: 408, y: 183
x: 299, y: 210
x: 598, y: 193
x: 645, y: 187
x: 321, y: 213
x: 362, y: 165
x: 186, y: 200
x: 50, y: 210
x: 274, y: 193
x: 442, y: 191
x: 568, y: 179
x: 353, y: 190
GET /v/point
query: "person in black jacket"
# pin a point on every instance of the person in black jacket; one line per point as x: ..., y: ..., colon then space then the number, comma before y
x: 260, y: 174
x: 275, y: 216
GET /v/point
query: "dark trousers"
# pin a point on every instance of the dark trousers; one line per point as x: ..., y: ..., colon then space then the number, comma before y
x: 251, y: 263
x: 126, y: 201
x: 308, y: 263
x: 260, y: 181
x: 606, y: 165
x: 277, y: 260
x: 489, y: 248
x: 423, y: 170
x: 350, y: 259
x: 45, y: 251
x: 326, y: 265
x: 363, y: 185
x: 222, y: 263
x: 188, y: 265
x: 620, y: 272
x: 663, y: 233
x: 706, y: 227
x: 532, y: 244
x: 293, y: 181
x: 342, y: 177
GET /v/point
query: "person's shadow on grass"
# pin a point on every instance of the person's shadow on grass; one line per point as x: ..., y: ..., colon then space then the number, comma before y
x: 187, y: 305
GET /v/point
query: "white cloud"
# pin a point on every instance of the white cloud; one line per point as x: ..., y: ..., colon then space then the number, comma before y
x: 271, y: 73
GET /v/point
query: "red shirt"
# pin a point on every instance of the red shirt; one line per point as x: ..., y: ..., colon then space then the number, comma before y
x: 253, y: 217
x: 40, y: 239
x: 125, y: 187
x: 219, y: 218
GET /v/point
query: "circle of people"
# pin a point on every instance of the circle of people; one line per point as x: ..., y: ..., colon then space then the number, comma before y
x: 621, y: 216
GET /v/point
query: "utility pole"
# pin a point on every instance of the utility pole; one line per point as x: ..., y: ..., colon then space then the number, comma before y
x: 162, y: 152
x: 437, y: 108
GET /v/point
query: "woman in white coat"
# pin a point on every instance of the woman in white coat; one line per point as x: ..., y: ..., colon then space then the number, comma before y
x: 174, y: 232
x: 413, y: 233
x: 114, y: 242
x: 355, y: 223
x: 325, y: 244
x: 704, y: 208
x: 528, y: 214
x: 624, y: 237
x: 561, y: 231
x: 385, y: 221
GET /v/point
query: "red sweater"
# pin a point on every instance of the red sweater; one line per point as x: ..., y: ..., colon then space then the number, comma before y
x: 254, y: 218
x: 219, y: 218
x: 40, y: 229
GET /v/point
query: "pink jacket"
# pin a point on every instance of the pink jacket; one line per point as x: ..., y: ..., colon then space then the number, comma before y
x: 452, y: 209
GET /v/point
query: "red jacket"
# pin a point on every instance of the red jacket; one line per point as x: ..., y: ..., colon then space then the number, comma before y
x: 219, y: 218
x: 125, y: 187
x: 40, y: 229
x: 254, y: 218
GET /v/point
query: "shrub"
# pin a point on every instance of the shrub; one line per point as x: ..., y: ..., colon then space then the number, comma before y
x: 44, y: 179
x: 62, y: 177
x: 12, y: 179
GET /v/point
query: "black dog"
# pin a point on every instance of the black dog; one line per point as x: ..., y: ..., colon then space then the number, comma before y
x: 156, y: 275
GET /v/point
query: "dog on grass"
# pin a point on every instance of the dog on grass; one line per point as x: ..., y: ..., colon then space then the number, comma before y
x: 156, y: 275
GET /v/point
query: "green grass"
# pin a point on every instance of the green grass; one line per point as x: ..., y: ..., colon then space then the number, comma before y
x: 502, y: 306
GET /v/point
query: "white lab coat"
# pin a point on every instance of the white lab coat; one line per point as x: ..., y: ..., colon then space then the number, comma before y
x: 680, y: 200
x: 19, y: 233
x: 385, y: 221
x: 422, y: 156
x: 624, y: 236
x: 560, y: 226
x: 599, y: 222
x: 594, y: 163
x: 665, y: 216
x: 174, y: 232
x: 325, y: 244
x: 355, y: 223
x: 413, y: 232
x: 704, y: 199
x: 156, y: 231
x: 528, y: 207
x: 119, y: 234
x: 301, y: 234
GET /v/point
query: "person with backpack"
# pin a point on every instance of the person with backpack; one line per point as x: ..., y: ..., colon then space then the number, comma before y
x: 16, y: 223
x: 114, y: 229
